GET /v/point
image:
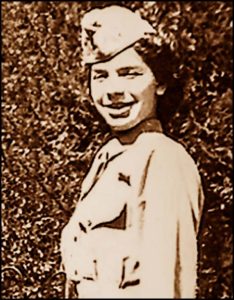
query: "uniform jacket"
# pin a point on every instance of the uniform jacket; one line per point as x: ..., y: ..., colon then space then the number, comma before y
x: 133, y: 233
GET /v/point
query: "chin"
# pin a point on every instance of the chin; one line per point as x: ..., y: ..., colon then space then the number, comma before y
x: 122, y: 127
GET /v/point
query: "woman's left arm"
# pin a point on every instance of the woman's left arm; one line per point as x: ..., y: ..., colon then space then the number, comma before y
x: 174, y: 200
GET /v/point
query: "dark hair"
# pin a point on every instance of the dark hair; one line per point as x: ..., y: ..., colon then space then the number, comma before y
x: 165, y: 67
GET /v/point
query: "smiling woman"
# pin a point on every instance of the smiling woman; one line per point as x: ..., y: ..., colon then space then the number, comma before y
x: 134, y: 230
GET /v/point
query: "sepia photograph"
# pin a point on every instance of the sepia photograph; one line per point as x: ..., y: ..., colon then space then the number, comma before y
x: 117, y: 143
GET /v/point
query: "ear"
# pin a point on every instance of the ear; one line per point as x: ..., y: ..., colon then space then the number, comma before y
x: 160, y: 90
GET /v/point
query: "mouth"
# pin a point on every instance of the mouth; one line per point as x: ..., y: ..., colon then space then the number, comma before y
x: 120, y: 110
x: 119, y: 105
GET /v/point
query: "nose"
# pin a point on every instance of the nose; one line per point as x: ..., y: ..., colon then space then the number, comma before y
x: 114, y: 91
x: 115, y: 97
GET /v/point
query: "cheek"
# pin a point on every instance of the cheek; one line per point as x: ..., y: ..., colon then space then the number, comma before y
x: 149, y: 91
x: 96, y: 92
x: 144, y: 89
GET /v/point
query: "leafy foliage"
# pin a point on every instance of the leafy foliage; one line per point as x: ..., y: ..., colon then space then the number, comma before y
x: 50, y: 131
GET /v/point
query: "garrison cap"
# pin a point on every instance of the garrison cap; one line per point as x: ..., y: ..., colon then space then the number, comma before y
x: 110, y: 30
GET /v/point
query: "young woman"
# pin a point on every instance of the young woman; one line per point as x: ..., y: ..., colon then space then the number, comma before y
x: 134, y: 231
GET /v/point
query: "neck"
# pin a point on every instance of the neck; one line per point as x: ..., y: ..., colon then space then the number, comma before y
x: 129, y: 136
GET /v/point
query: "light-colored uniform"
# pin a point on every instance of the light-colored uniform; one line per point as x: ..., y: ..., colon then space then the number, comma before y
x: 134, y: 231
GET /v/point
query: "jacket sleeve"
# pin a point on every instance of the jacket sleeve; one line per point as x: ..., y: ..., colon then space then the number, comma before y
x: 174, y: 199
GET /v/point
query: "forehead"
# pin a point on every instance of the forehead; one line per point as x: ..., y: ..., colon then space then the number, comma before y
x: 127, y: 58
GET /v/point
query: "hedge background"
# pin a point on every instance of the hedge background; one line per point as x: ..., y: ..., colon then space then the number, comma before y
x: 50, y: 132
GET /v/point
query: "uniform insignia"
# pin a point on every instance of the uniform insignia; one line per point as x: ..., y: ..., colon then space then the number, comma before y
x: 124, y: 178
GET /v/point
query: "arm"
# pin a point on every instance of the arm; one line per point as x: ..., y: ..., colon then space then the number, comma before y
x: 172, y: 192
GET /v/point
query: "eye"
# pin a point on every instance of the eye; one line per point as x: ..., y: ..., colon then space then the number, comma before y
x: 130, y: 74
x: 99, y: 76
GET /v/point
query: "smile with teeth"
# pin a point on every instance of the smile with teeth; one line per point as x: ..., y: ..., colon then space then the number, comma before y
x: 120, y: 110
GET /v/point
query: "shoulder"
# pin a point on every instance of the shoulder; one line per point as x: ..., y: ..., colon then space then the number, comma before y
x: 168, y: 152
x: 161, y: 143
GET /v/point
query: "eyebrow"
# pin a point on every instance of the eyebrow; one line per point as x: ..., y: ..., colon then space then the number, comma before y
x: 130, y: 68
x: 122, y: 69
